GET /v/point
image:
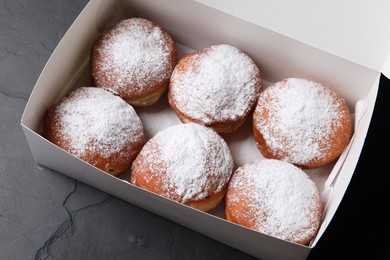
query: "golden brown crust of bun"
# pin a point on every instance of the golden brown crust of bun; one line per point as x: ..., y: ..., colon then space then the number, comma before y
x: 143, y: 177
x: 135, y: 58
x: 302, y: 122
x: 216, y: 87
x: 81, y: 124
x: 229, y: 126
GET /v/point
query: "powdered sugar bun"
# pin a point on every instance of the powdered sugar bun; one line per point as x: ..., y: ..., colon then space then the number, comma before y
x: 276, y: 198
x: 216, y: 87
x: 188, y: 163
x: 135, y: 58
x: 302, y: 122
x: 96, y: 126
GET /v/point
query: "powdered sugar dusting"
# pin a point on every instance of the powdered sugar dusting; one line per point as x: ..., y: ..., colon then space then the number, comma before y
x: 283, y: 199
x: 193, y: 160
x: 301, y: 115
x: 95, y: 120
x: 221, y: 83
x: 135, y: 53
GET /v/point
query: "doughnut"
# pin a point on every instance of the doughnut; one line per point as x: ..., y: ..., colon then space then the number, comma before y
x: 187, y: 163
x: 216, y: 87
x: 96, y: 126
x: 135, y: 58
x: 301, y: 122
x: 275, y: 198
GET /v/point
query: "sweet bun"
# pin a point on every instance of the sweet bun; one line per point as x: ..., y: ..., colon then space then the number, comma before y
x: 276, y: 198
x: 187, y: 163
x: 96, y: 126
x: 301, y: 122
x: 217, y: 87
x: 135, y: 58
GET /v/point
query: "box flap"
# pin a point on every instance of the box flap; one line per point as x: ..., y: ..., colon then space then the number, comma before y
x: 358, y: 31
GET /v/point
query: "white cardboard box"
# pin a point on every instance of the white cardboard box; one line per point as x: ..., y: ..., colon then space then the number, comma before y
x: 298, y: 39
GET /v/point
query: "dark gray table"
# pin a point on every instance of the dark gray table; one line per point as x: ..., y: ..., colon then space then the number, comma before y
x: 45, y: 215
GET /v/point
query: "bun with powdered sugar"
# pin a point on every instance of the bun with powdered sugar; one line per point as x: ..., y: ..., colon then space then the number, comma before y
x: 302, y: 122
x: 275, y: 198
x: 135, y: 58
x: 96, y: 126
x: 188, y: 163
x: 217, y: 87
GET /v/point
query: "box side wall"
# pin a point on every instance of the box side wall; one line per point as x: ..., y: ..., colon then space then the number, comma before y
x: 344, y: 28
